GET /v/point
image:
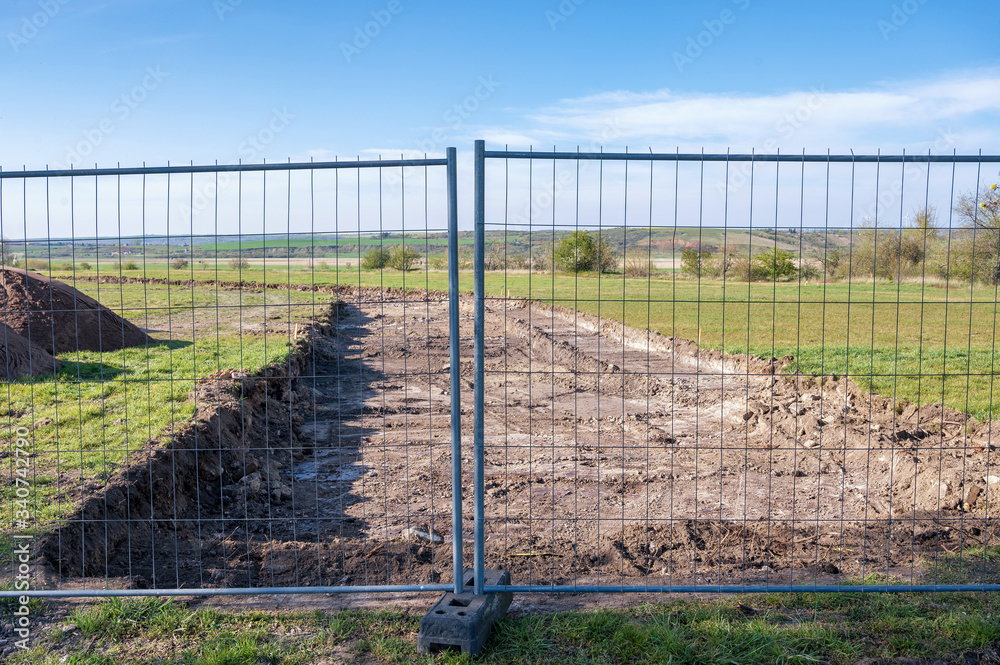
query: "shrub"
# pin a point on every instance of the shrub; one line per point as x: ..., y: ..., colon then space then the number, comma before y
x: 982, y: 244
x: 402, y: 258
x: 518, y: 261
x: 84, y: 265
x: 744, y: 269
x: 36, y: 264
x: 638, y: 266
x: 809, y: 271
x: 775, y: 263
x: 694, y: 261
x: 495, y: 258
x: 580, y: 251
x: 239, y: 263
x: 7, y: 256
x: 179, y: 263
x: 575, y: 252
x: 375, y: 258
x: 438, y: 262
x: 130, y: 265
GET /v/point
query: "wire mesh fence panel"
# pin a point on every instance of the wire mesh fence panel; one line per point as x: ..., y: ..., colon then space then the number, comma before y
x: 738, y: 372
x: 229, y: 379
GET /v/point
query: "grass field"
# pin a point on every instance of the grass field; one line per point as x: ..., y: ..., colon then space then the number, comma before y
x: 780, y: 628
x: 913, y: 341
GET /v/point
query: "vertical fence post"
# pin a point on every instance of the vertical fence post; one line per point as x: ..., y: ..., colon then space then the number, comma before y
x: 479, y: 559
x: 456, y: 373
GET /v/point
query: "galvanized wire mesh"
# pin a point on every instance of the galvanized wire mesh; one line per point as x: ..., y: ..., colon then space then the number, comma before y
x: 227, y: 379
x: 737, y: 372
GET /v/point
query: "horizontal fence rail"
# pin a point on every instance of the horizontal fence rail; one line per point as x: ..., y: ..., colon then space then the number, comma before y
x: 230, y: 380
x: 736, y: 372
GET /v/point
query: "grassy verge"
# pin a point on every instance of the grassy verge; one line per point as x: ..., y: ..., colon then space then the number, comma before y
x: 779, y: 628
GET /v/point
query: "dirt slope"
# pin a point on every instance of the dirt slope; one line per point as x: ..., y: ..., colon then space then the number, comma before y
x: 59, y: 318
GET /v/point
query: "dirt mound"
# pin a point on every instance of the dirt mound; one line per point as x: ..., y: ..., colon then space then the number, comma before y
x: 20, y: 358
x: 59, y: 318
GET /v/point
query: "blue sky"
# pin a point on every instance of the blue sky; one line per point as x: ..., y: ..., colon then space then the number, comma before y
x: 156, y: 80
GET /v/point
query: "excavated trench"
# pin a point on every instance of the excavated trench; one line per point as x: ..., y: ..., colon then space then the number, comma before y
x: 613, y: 455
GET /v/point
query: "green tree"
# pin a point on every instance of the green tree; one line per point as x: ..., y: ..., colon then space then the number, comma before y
x: 7, y: 256
x: 775, y: 263
x: 979, y: 251
x: 576, y: 252
x: 694, y: 261
x: 375, y: 258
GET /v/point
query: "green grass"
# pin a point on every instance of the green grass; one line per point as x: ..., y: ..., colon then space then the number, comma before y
x: 777, y: 628
x: 912, y: 341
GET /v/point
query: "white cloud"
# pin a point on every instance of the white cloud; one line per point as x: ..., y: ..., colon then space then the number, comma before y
x: 912, y: 115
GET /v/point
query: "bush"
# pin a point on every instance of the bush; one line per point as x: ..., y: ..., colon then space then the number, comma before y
x: 809, y: 271
x: 36, y: 264
x: 744, y: 269
x: 580, y: 251
x: 84, y: 265
x: 775, y: 263
x: 694, y: 261
x: 179, y: 263
x: 239, y: 263
x: 495, y: 258
x: 402, y: 258
x: 7, y: 256
x: 130, y: 265
x: 637, y: 266
x: 375, y: 258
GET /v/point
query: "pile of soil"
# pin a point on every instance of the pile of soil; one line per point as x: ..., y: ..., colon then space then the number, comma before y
x: 20, y: 358
x: 59, y: 318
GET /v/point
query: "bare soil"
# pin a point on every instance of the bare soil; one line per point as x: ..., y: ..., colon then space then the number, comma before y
x: 60, y: 319
x: 613, y: 456
x: 20, y: 358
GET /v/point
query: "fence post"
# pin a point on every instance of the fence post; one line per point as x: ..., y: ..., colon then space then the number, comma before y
x: 456, y: 373
x: 479, y: 559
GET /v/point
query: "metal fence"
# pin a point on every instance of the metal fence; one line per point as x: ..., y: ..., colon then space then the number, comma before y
x: 687, y: 372
x: 735, y: 373
x: 230, y: 379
